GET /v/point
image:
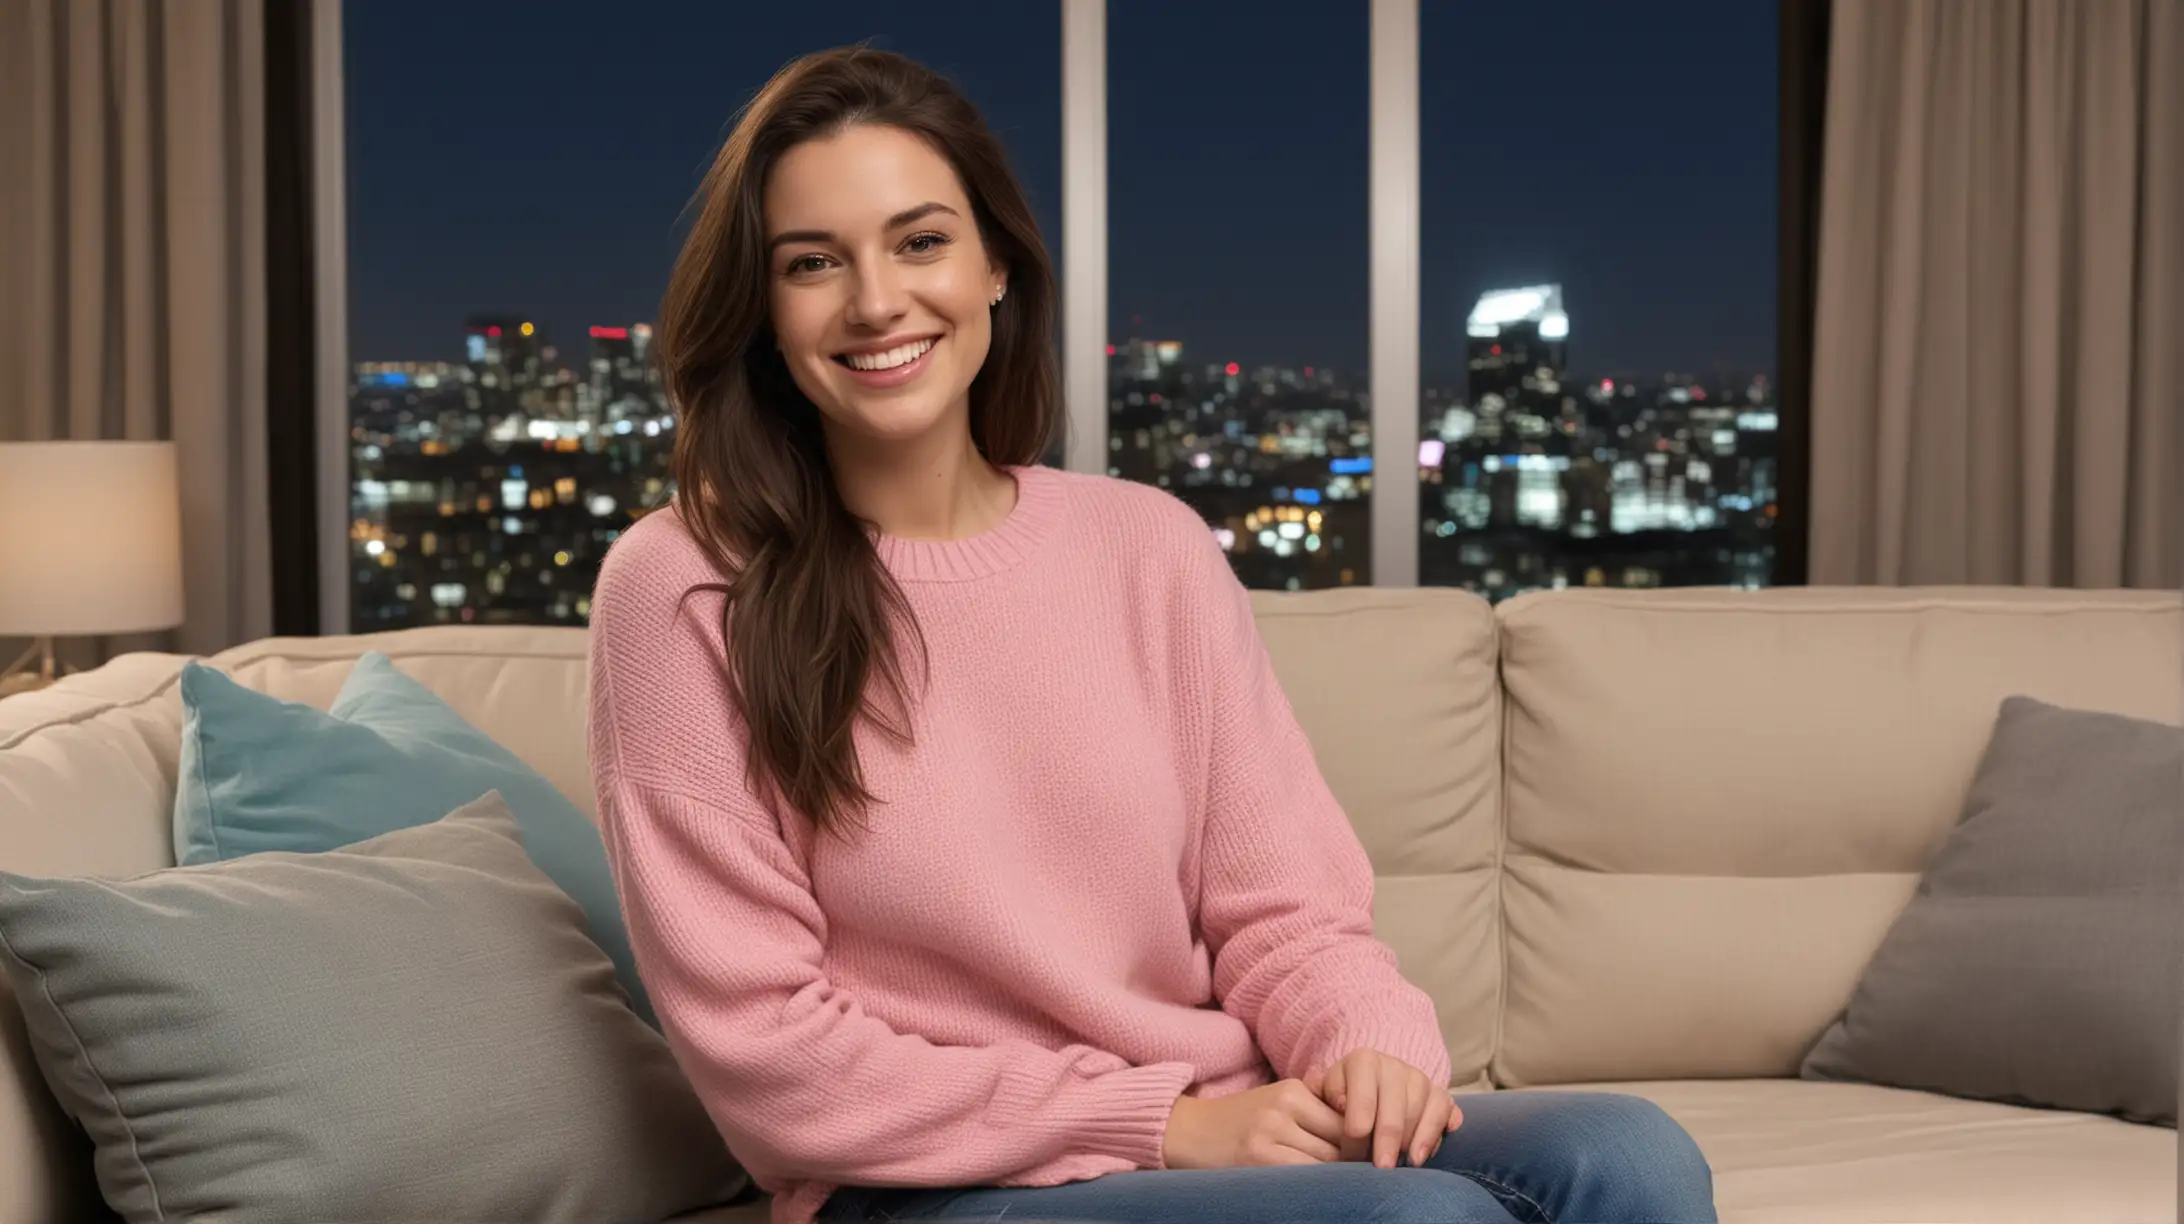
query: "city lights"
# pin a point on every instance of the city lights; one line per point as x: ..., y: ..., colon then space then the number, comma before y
x: 505, y: 467
x: 488, y: 490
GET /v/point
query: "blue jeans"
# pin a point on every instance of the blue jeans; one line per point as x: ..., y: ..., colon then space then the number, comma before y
x: 1518, y: 1158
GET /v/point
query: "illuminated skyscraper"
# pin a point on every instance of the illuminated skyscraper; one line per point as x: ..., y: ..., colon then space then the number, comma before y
x: 1518, y: 350
x: 621, y: 378
x: 505, y: 359
x: 510, y: 346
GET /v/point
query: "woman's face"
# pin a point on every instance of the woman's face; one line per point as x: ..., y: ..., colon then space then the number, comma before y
x: 880, y: 287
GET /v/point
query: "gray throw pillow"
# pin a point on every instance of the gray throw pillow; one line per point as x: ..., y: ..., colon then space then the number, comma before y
x: 2040, y: 960
x: 414, y: 1027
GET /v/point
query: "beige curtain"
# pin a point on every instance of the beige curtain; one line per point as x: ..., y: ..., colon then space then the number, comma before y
x: 132, y: 281
x: 1997, y: 392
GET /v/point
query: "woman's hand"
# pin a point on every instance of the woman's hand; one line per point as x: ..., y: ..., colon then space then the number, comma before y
x: 1390, y: 1102
x: 1284, y: 1123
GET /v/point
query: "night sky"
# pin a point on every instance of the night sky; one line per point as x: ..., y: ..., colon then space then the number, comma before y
x: 537, y: 158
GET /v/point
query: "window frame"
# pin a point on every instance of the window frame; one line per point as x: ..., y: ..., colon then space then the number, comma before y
x: 329, y: 186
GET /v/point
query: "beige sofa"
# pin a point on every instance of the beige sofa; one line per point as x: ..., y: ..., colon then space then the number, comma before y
x: 1640, y: 840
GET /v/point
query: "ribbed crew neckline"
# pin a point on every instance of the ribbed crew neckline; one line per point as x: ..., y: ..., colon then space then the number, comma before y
x: 1015, y: 537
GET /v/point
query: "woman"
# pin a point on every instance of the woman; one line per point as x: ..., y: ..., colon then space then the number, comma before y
x: 969, y: 849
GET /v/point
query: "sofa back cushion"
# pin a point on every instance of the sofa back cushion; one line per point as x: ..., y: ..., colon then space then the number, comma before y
x: 1396, y: 690
x: 1718, y: 802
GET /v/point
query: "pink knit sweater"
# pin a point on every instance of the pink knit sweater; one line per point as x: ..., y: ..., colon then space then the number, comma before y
x: 1107, y: 873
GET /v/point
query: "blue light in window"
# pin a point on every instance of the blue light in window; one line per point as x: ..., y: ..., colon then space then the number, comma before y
x: 1310, y: 497
x: 1350, y: 467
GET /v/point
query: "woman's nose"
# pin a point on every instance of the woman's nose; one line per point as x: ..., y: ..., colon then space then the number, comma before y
x: 880, y: 297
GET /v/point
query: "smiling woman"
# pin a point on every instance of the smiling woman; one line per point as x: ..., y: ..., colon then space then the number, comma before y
x: 864, y: 296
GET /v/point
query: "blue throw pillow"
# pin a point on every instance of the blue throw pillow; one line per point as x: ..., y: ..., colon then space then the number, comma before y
x: 260, y: 773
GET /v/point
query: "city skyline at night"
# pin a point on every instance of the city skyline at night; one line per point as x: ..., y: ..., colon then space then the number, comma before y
x: 492, y: 487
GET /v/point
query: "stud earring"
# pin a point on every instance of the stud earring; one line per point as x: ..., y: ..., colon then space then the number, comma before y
x: 1000, y: 293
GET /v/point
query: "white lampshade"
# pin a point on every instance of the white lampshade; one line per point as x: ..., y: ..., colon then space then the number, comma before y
x: 90, y: 538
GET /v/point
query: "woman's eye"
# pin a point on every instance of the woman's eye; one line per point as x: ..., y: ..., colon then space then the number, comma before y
x: 806, y: 263
x: 926, y: 244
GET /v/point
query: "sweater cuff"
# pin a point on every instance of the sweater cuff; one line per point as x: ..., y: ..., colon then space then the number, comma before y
x: 1419, y: 1046
x: 1121, y: 1114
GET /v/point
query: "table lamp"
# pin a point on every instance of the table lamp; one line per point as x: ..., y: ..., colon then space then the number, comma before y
x: 90, y: 543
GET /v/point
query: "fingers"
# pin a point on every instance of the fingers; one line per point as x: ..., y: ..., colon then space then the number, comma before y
x: 1417, y: 1127
x: 1316, y: 1081
x: 1315, y: 1116
x: 1432, y: 1124
x: 1321, y: 1150
x: 1361, y: 1095
x: 1455, y: 1115
x: 1392, y: 1122
x: 1335, y: 1089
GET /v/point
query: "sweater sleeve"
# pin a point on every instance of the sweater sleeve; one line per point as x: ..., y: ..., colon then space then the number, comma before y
x: 1286, y: 890
x: 803, y: 1083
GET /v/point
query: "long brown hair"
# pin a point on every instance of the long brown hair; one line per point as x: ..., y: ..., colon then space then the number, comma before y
x: 812, y: 614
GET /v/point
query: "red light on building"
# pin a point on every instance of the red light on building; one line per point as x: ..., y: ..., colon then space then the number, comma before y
x: 1110, y: 350
x: 1496, y: 350
x: 492, y: 331
x: 610, y: 333
x: 1232, y: 368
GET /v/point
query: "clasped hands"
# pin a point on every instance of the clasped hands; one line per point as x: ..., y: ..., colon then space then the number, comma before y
x: 1364, y: 1105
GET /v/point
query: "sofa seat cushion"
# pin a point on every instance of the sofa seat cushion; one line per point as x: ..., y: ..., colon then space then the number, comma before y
x: 1803, y: 1152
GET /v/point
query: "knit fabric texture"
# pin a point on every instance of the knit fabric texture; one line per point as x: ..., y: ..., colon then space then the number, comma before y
x: 1105, y: 871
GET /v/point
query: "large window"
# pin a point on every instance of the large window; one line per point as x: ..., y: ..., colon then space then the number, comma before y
x: 516, y: 179
x: 1598, y: 317
x: 1595, y: 257
x: 1237, y: 142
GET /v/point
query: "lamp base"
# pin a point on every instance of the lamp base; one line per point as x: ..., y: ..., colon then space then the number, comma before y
x: 22, y: 682
x: 19, y: 677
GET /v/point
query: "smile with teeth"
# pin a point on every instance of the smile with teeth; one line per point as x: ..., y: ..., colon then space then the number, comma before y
x: 899, y: 356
